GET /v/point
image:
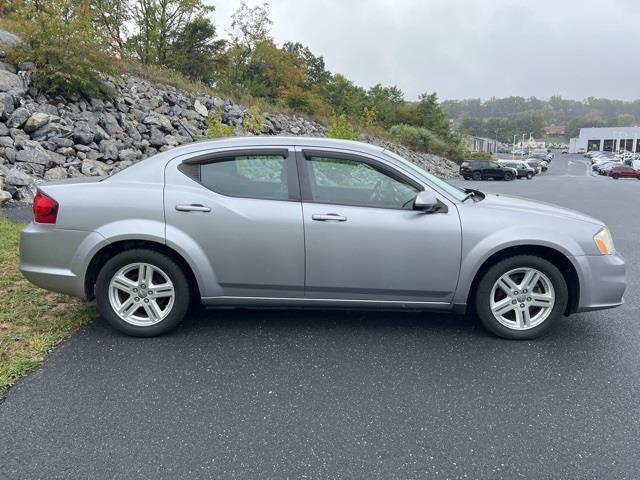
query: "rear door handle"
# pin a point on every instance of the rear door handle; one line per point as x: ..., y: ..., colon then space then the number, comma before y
x: 328, y: 217
x: 194, y: 207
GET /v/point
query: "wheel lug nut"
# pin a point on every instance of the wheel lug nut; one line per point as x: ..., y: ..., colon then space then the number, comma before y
x: 135, y: 289
x: 146, y: 300
x: 524, y: 291
x: 528, y: 299
x: 514, y: 302
x: 515, y: 293
x: 137, y: 299
x: 522, y: 305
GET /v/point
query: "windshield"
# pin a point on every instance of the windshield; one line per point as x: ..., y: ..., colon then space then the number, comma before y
x: 455, y: 192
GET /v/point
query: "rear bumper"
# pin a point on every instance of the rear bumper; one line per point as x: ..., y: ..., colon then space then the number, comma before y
x: 602, y: 281
x: 56, y: 259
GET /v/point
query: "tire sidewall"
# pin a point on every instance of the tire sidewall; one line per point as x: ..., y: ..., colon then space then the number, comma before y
x: 508, y: 176
x: 169, y: 267
x: 477, y: 175
x: 483, y: 293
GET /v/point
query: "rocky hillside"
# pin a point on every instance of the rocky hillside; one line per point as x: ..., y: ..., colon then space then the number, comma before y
x: 44, y: 138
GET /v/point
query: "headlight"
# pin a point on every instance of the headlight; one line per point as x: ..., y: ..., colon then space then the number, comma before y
x: 604, y: 242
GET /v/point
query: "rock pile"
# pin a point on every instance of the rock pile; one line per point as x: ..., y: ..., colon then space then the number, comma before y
x: 44, y: 138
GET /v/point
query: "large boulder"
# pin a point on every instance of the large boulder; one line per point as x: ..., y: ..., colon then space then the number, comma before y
x: 35, y: 121
x: 10, y: 82
x: 8, y: 39
x: 93, y: 168
x: 57, y: 173
x: 18, y: 117
x: 18, y: 178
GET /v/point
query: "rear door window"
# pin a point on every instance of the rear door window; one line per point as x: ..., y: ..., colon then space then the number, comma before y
x: 253, y: 176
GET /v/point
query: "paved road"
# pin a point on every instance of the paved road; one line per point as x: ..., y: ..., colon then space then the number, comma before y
x: 320, y: 395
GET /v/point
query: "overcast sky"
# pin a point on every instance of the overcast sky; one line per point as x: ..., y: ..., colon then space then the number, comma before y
x: 469, y: 48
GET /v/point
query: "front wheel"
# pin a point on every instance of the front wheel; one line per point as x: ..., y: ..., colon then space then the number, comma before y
x: 615, y: 177
x: 477, y: 176
x: 142, y: 293
x: 521, y: 297
x: 529, y: 175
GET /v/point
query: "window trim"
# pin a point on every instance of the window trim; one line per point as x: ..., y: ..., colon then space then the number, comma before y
x: 293, y: 184
x: 302, y: 157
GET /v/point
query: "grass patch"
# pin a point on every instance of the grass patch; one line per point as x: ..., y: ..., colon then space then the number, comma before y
x: 32, y: 320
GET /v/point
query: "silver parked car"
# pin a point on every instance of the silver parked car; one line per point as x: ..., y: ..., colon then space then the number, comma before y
x: 311, y: 222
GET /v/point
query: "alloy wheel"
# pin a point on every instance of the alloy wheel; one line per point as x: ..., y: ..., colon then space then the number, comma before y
x: 141, y: 294
x: 522, y: 298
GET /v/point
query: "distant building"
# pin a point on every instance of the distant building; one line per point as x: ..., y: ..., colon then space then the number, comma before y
x: 481, y: 144
x: 556, y: 130
x: 606, y: 139
x: 531, y: 143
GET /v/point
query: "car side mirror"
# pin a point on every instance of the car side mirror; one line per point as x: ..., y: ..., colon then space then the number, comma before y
x: 426, y: 202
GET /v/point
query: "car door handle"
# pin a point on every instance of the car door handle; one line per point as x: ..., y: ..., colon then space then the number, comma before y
x: 194, y: 207
x: 328, y: 217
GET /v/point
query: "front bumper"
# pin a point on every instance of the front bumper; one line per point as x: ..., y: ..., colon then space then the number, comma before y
x: 57, y: 259
x: 602, y: 281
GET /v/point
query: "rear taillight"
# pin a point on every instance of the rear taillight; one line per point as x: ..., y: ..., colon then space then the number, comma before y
x: 45, y: 209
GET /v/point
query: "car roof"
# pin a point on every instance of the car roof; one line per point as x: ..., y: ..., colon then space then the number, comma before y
x: 274, y: 140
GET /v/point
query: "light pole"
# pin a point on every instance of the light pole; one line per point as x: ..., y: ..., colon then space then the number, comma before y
x: 513, y: 150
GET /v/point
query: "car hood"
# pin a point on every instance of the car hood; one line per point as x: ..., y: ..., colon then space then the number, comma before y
x: 518, y: 204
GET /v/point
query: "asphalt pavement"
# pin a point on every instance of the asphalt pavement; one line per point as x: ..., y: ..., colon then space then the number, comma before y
x: 248, y: 394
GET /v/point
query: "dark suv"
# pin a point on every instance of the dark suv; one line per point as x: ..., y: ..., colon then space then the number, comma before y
x: 483, y: 170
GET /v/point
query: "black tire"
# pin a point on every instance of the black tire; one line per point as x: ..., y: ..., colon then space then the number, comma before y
x: 508, y: 176
x: 477, y: 175
x: 529, y: 175
x: 483, y: 295
x: 175, y: 273
x: 466, y: 177
x: 615, y: 177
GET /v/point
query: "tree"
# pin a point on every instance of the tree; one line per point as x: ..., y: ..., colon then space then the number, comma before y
x: 250, y: 26
x: 112, y: 17
x: 158, y: 22
x: 60, y: 38
x: 195, y: 53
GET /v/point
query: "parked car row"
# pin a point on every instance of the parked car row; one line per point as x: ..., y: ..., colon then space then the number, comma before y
x: 502, y: 169
x: 614, y: 165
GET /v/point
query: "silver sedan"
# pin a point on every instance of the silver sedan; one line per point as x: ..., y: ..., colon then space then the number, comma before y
x: 309, y: 222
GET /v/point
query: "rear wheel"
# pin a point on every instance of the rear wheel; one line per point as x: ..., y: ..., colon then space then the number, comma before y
x: 521, y: 297
x: 142, y: 293
x: 615, y: 177
x: 477, y: 176
x: 508, y: 176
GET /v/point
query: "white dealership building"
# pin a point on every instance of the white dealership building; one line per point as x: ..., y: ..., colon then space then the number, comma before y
x: 607, y: 139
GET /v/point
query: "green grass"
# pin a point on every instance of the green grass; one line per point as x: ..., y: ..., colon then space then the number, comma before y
x: 32, y: 320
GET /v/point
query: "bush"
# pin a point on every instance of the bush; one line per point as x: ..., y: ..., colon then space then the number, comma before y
x: 478, y: 156
x: 217, y: 129
x: 341, y: 128
x: 254, y: 123
x: 59, y: 37
x: 424, y: 140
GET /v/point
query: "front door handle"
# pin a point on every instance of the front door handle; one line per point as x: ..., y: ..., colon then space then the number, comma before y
x: 194, y: 207
x: 328, y: 217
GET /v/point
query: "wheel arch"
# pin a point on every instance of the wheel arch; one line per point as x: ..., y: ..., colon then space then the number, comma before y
x: 108, y: 251
x: 559, y: 259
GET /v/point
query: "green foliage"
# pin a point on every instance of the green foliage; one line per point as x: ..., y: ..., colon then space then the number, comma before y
x: 369, y: 117
x: 478, y: 156
x: 195, y: 53
x: 157, y: 23
x: 60, y: 39
x: 217, y: 129
x: 341, y: 128
x: 423, y: 139
x: 254, y: 123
